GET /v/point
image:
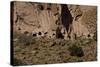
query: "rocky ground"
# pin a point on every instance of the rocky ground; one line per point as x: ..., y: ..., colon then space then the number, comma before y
x: 28, y: 50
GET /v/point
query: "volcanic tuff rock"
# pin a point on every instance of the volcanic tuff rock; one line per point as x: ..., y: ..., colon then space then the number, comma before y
x: 54, y: 20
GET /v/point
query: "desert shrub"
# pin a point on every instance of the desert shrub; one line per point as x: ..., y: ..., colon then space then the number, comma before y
x: 15, y: 35
x: 76, y: 51
x: 17, y: 48
x: 83, y: 41
x: 80, y: 61
x: 17, y: 62
x: 26, y: 40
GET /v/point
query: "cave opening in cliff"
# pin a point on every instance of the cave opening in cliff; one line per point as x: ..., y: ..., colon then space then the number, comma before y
x: 40, y: 33
x: 53, y: 34
x: 59, y: 34
x: 19, y: 28
x: 41, y: 7
x: 66, y: 17
x: 45, y: 32
x: 34, y: 35
x: 48, y: 8
x: 26, y: 32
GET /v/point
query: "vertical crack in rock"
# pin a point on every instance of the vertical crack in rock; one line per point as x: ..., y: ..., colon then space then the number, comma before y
x: 66, y: 17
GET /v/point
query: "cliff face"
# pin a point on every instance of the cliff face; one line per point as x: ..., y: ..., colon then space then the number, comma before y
x: 54, y: 20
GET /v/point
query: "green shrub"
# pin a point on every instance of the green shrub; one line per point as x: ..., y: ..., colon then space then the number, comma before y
x: 26, y: 40
x: 76, y: 51
x: 17, y: 62
x: 15, y: 35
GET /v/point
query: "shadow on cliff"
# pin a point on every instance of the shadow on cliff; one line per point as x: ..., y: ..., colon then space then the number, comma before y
x: 66, y: 17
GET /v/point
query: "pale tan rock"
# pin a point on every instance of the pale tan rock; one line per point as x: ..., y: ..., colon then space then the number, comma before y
x: 46, y: 18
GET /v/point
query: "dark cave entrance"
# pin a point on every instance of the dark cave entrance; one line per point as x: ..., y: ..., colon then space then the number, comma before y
x: 66, y: 17
x: 59, y: 34
x: 66, y: 21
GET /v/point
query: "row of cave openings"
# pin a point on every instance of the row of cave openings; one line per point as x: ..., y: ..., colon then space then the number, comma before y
x: 58, y: 34
x: 66, y: 21
x: 65, y: 18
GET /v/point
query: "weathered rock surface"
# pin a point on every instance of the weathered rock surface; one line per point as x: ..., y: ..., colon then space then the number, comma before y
x: 45, y: 33
x: 52, y: 20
